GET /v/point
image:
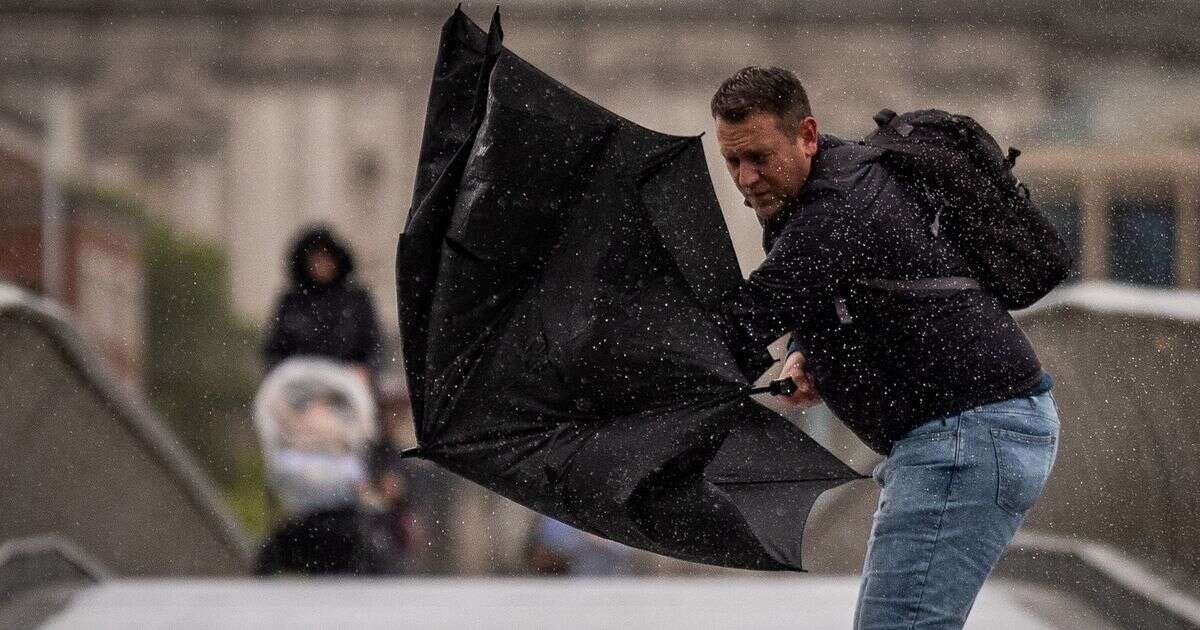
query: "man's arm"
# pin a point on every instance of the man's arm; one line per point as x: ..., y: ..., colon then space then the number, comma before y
x: 793, y: 285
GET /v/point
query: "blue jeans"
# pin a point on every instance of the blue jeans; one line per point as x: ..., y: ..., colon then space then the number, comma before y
x: 953, y: 493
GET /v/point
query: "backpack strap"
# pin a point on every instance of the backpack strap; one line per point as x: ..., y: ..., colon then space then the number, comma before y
x: 919, y: 287
x: 925, y: 285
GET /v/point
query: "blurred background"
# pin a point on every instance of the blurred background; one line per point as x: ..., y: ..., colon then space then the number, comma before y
x: 158, y: 161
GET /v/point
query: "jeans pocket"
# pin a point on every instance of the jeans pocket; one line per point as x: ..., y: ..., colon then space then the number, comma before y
x: 1023, y: 463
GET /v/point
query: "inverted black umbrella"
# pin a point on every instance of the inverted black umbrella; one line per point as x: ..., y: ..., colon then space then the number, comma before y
x: 557, y: 277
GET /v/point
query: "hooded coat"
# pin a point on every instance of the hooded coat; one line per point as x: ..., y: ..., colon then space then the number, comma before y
x: 334, y: 320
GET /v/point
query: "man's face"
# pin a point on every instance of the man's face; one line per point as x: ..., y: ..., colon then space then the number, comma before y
x: 767, y: 164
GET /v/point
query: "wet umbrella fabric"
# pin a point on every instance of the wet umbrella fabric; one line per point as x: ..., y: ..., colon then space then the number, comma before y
x: 556, y: 278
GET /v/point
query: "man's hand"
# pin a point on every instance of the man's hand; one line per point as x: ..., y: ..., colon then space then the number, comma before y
x: 806, y: 391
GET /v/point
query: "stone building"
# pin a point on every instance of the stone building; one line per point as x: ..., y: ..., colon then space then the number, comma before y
x: 99, y: 259
x: 243, y: 120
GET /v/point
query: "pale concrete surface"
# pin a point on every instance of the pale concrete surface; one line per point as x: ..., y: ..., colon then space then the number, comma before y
x: 758, y: 602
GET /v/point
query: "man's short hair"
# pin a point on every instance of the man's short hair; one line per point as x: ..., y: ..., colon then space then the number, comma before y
x: 755, y: 89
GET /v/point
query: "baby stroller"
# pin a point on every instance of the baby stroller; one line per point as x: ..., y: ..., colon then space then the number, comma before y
x: 316, y: 422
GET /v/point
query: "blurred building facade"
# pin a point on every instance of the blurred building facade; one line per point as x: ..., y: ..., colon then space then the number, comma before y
x: 100, y: 276
x: 240, y: 121
x: 243, y: 120
x: 1131, y: 216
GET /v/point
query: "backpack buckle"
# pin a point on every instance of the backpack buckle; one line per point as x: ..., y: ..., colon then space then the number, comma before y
x: 843, y: 313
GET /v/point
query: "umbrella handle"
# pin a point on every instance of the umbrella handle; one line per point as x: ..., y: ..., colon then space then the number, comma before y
x: 779, y: 387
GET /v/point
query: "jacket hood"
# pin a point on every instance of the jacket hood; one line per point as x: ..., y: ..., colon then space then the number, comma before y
x: 837, y: 168
x: 316, y: 239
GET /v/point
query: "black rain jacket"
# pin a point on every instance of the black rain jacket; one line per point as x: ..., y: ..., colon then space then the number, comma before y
x: 334, y: 320
x: 885, y: 361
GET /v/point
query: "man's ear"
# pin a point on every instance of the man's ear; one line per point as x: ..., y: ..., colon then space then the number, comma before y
x: 808, y: 136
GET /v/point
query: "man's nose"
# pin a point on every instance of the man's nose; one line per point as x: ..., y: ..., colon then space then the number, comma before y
x: 747, y: 175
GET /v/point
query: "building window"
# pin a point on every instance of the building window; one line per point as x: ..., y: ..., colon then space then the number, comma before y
x: 110, y: 299
x: 1142, y: 240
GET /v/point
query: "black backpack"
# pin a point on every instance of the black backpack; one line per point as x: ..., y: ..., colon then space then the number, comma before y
x: 976, y: 202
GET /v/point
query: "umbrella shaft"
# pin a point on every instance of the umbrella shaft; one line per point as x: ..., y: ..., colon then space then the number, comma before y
x: 780, y: 387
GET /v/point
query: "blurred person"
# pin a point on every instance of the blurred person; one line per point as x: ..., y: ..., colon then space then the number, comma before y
x: 392, y: 522
x: 316, y: 421
x: 327, y: 542
x: 942, y: 382
x: 324, y: 313
x: 318, y: 467
x: 555, y: 548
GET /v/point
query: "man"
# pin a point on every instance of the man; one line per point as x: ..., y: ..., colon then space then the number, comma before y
x: 942, y: 381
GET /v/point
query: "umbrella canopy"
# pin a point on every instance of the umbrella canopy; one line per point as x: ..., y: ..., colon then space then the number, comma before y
x: 558, y: 278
